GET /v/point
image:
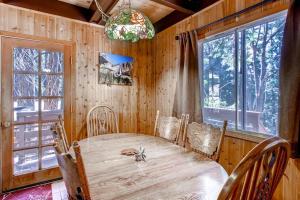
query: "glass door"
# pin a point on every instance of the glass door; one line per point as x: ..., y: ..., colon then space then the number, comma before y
x: 34, y: 81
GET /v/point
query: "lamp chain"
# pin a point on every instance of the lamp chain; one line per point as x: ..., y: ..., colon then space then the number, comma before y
x: 104, y: 15
x: 125, y: 4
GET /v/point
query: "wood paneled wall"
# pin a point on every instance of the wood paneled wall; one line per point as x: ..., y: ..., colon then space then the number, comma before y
x: 134, y: 104
x: 166, y: 72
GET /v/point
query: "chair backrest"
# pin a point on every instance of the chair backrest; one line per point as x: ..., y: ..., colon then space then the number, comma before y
x: 168, y: 127
x: 59, y: 130
x: 259, y: 172
x: 204, y: 138
x: 62, y: 132
x: 101, y: 120
x: 73, y: 173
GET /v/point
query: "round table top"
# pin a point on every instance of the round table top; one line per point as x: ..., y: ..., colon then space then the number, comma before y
x: 169, y: 172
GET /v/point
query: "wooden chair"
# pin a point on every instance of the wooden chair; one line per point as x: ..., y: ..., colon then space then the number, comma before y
x: 259, y: 172
x: 101, y: 120
x: 168, y: 127
x: 73, y: 173
x: 60, y: 132
x: 204, y: 138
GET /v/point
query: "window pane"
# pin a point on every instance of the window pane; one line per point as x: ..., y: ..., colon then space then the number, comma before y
x: 26, y: 59
x: 26, y: 161
x: 52, y: 85
x: 219, y: 80
x: 48, y: 157
x: 240, y: 83
x: 26, y: 110
x: 26, y: 136
x: 52, y: 62
x: 51, y: 108
x: 25, y: 85
x: 262, y: 46
x: 47, y: 134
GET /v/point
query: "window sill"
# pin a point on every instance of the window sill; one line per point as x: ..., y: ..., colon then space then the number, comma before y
x: 243, y: 135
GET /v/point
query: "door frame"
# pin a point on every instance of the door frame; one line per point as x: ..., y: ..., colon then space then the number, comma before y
x: 71, y: 47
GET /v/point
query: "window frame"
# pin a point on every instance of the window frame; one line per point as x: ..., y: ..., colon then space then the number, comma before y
x: 235, y: 31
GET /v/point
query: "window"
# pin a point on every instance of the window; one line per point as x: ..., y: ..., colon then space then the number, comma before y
x: 240, y: 76
x: 37, y: 100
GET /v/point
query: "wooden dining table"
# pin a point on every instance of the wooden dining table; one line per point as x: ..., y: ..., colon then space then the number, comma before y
x: 169, y: 171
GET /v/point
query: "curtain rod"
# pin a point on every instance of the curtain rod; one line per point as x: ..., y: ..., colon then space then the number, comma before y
x: 263, y: 2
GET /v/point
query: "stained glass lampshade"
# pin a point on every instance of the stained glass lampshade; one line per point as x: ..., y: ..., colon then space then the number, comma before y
x: 129, y: 24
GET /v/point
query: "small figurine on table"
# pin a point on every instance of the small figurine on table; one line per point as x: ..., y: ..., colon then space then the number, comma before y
x: 140, y: 156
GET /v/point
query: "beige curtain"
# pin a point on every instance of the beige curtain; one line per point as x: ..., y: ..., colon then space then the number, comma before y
x: 187, y: 97
x: 289, y: 126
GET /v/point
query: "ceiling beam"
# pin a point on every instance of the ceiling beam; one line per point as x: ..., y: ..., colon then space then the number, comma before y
x: 54, y: 7
x: 106, y: 5
x: 178, y: 5
x: 176, y: 16
x: 169, y: 20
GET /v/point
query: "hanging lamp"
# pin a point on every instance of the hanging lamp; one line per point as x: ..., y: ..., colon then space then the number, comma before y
x: 127, y: 24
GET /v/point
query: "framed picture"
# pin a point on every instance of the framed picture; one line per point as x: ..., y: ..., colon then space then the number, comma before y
x: 115, y: 69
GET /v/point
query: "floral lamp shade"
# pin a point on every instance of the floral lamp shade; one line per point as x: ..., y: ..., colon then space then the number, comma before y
x: 129, y: 24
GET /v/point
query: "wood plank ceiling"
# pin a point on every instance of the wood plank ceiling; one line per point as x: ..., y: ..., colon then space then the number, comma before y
x: 162, y: 13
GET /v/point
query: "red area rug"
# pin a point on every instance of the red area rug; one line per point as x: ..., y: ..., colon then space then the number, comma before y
x: 43, y: 192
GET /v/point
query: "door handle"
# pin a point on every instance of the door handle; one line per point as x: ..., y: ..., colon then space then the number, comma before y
x: 5, y: 124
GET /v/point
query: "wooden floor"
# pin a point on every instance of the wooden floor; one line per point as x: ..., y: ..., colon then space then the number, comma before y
x: 59, y: 191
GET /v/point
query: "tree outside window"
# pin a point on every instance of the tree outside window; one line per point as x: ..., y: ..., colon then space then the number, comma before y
x: 241, y: 76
